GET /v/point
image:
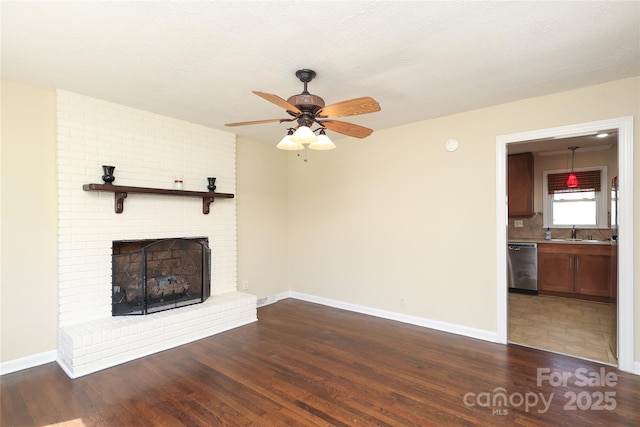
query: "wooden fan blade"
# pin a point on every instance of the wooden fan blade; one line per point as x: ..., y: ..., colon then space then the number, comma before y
x: 278, y: 101
x: 345, y: 128
x: 258, y: 122
x: 350, y: 107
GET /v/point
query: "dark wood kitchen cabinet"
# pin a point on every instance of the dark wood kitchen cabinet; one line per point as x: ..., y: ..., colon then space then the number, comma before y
x: 520, y: 185
x: 555, y: 271
x: 578, y: 270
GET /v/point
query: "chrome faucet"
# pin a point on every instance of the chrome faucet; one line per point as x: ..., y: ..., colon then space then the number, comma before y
x: 573, y: 232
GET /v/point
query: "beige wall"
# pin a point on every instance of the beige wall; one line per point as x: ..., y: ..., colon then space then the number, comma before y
x: 396, y: 216
x: 262, y: 218
x: 28, y: 278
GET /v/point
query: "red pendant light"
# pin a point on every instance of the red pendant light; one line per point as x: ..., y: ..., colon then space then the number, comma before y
x: 572, y: 180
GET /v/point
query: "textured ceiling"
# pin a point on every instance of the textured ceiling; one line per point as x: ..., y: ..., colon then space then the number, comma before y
x: 199, y: 61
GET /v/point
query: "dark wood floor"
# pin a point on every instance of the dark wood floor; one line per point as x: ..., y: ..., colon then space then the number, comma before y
x: 304, y: 364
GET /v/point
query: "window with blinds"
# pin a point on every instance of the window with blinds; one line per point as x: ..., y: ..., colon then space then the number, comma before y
x: 584, y: 206
x: 587, y: 181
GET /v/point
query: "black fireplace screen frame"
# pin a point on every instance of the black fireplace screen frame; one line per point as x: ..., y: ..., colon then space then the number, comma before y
x: 149, y: 276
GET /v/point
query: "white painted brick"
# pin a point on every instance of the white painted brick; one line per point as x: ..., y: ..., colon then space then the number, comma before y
x: 147, y: 150
x: 101, y: 352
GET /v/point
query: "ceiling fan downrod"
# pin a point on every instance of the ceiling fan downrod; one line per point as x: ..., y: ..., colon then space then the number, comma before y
x: 305, y: 75
x: 306, y: 102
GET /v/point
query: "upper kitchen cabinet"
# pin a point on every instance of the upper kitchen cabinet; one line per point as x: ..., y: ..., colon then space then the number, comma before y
x: 520, y: 185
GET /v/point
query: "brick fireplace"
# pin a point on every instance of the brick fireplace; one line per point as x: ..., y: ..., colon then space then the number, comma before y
x: 147, y: 150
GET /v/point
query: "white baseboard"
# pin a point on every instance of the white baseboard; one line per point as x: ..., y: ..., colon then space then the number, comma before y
x: 28, y: 362
x: 404, y: 318
x: 270, y: 299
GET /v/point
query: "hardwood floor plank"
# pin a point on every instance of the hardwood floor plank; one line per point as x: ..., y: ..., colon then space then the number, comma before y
x: 304, y: 364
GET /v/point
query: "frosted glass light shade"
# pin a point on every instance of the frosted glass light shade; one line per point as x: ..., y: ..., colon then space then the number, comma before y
x: 287, y: 144
x: 323, y: 143
x: 304, y: 135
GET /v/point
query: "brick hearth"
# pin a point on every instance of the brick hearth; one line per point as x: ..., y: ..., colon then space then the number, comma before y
x: 98, y: 344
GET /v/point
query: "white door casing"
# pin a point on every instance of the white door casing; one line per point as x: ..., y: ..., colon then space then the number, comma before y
x: 625, y: 301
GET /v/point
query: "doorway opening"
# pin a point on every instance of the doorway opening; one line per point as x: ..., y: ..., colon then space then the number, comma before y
x: 507, y: 144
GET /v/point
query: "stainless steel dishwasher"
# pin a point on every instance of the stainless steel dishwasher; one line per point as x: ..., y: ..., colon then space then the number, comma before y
x: 522, y: 264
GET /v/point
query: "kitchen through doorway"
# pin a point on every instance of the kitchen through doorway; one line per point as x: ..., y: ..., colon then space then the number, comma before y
x: 563, y: 322
x: 564, y: 319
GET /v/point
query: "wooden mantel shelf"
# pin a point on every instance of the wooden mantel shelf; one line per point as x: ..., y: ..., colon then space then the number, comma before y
x: 121, y: 191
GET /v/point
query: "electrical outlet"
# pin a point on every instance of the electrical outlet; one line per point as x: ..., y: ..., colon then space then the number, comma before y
x: 518, y: 223
x: 245, y: 285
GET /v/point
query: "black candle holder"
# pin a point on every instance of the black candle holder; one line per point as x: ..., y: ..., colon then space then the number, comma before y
x: 108, y: 177
x: 212, y: 184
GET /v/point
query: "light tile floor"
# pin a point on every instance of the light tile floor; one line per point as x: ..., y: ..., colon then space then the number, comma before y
x: 575, y: 327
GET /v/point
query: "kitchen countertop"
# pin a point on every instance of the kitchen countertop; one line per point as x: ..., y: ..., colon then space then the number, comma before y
x: 563, y: 241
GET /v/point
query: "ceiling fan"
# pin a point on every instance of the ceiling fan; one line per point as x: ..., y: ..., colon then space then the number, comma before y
x: 307, y: 109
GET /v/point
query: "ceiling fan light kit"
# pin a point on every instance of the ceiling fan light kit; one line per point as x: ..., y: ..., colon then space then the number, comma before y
x: 307, y: 109
x: 323, y: 142
x: 287, y: 144
x: 304, y: 135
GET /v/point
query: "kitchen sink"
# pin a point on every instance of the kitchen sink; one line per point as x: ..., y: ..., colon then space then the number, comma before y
x: 569, y: 239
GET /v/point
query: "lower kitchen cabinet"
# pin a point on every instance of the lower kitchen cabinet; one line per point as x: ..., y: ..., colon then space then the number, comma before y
x: 592, y: 275
x: 578, y: 270
x: 555, y: 271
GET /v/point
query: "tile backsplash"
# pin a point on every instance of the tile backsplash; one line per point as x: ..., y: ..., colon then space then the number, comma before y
x: 532, y: 229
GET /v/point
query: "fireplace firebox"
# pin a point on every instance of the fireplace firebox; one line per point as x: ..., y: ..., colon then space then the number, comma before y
x: 149, y: 276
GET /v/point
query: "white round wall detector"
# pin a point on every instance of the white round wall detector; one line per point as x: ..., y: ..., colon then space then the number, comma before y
x: 452, y: 145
